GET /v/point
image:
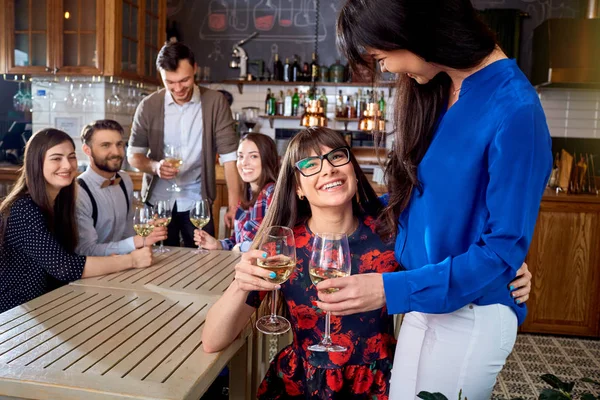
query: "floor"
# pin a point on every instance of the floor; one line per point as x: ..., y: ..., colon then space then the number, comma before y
x: 533, y: 355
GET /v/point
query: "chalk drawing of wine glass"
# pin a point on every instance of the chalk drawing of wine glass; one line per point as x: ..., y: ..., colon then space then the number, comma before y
x: 239, y: 18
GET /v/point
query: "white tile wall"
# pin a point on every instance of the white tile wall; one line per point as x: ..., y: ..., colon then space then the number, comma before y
x: 51, y: 102
x: 572, y: 113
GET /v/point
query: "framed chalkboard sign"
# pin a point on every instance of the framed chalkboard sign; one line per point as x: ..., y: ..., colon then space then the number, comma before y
x: 284, y: 27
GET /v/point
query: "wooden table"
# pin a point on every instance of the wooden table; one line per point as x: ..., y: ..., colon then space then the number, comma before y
x: 121, y: 338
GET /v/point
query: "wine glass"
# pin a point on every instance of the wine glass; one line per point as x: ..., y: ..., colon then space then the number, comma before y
x: 162, y: 217
x: 143, y: 221
x: 173, y: 157
x: 330, y: 259
x: 279, y: 244
x: 200, y: 217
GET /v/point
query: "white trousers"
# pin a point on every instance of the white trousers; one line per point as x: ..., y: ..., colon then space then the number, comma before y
x: 445, y: 353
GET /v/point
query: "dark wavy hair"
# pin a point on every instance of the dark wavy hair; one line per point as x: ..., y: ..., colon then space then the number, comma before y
x: 269, y: 162
x: 286, y: 208
x: 445, y: 32
x: 60, y: 219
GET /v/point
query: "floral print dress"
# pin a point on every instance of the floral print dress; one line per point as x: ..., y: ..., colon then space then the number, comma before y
x: 361, y: 372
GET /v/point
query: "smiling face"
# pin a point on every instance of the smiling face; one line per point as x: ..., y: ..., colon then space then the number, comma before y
x: 249, y: 163
x: 180, y: 83
x: 405, y: 62
x: 106, y: 150
x: 333, y: 187
x: 60, y: 166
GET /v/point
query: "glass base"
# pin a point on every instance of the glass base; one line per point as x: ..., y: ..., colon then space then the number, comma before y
x: 199, y: 251
x: 161, y: 250
x: 327, y: 347
x: 174, y: 189
x: 270, y: 325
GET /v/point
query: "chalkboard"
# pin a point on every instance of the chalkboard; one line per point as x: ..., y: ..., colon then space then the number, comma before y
x: 286, y: 27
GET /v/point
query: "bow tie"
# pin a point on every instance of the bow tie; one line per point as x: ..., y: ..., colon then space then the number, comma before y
x: 110, y: 182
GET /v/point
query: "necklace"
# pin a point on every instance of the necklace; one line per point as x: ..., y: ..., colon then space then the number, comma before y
x: 456, y: 91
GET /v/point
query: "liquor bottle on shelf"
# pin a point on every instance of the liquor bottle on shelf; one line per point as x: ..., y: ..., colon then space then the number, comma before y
x: 305, y: 72
x: 302, y: 104
x: 287, y: 104
x: 296, y: 73
x: 267, y: 102
x: 279, y: 104
x: 382, y: 105
x: 323, y: 100
x: 339, y: 106
x: 272, y: 105
x: 277, y: 69
x: 287, y: 71
x: 295, y: 102
x: 314, y: 68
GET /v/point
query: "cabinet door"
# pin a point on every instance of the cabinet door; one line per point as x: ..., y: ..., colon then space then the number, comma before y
x: 564, y: 261
x: 154, y: 36
x: 80, y: 27
x: 130, y: 44
x: 29, y: 40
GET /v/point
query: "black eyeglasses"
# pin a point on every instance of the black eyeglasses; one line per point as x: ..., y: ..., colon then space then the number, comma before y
x: 313, y: 165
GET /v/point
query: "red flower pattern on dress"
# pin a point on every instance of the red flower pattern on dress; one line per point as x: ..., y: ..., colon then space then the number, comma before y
x: 305, y: 316
x: 364, y: 370
x: 363, y: 381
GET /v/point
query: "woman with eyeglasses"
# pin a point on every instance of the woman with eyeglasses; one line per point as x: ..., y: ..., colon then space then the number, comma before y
x: 320, y: 188
x: 258, y: 165
x: 471, y: 158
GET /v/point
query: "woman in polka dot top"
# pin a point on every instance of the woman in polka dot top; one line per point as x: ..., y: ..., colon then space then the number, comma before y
x: 38, y: 231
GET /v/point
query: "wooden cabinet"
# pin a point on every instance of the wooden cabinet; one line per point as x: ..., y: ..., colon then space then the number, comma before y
x: 28, y: 36
x: 564, y: 259
x: 82, y: 37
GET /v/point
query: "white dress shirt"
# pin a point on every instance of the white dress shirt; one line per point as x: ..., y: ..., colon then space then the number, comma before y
x: 114, y: 232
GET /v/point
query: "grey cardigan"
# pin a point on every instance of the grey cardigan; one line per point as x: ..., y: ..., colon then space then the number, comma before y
x: 218, y: 135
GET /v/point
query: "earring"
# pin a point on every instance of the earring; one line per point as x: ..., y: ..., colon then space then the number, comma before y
x: 301, y: 197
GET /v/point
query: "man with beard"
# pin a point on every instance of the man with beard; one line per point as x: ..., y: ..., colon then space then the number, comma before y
x: 105, y: 198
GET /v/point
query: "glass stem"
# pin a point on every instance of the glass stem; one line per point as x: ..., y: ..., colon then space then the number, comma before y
x: 327, y: 334
x: 143, y: 241
x: 161, y: 245
x: 274, y: 304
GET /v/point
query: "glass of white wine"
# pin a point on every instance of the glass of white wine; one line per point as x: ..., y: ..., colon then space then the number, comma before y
x: 279, y: 244
x: 330, y: 259
x: 143, y: 221
x: 200, y: 217
x: 173, y: 156
x: 162, y: 217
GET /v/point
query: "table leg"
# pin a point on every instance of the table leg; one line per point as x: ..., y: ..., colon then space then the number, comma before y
x: 240, y: 373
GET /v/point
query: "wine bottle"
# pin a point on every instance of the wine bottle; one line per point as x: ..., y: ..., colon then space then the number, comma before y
x: 277, y: 69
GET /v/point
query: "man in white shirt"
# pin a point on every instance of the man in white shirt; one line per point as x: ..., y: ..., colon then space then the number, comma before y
x: 105, y: 196
x: 198, y: 121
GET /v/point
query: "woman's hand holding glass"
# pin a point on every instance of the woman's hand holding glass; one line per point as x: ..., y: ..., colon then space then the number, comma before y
x: 250, y: 277
x: 206, y: 241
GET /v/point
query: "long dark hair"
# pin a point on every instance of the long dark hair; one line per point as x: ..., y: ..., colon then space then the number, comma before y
x: 445, y: 32
x: 60, y: 219
x: 270, y: 166
x: 286, y: 208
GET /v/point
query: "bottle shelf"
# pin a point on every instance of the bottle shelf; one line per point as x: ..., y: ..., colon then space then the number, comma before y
x: 348, y: 120
x: 271, y: 118
x: 240, y: 84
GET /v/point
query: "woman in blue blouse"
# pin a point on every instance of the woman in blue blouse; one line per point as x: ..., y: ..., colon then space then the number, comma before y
x: 471, y: 158
x: 258, y: 166
x: 38, y: 232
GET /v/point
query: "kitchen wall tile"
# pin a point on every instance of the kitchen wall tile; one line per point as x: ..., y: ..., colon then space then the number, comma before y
x: 583, y: 105
x: 586, y: 114
x: 582, y: 123
x: 554, y: 104
x: 558, y: 132
x: 556, y: 122
x: 580, y: 133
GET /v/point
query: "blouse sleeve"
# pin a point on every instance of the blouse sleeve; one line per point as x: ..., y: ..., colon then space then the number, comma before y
x: 26, y: 224
x: 257, y: 213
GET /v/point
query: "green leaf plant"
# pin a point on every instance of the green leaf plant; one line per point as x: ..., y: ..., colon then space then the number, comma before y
x: 559, y: 391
